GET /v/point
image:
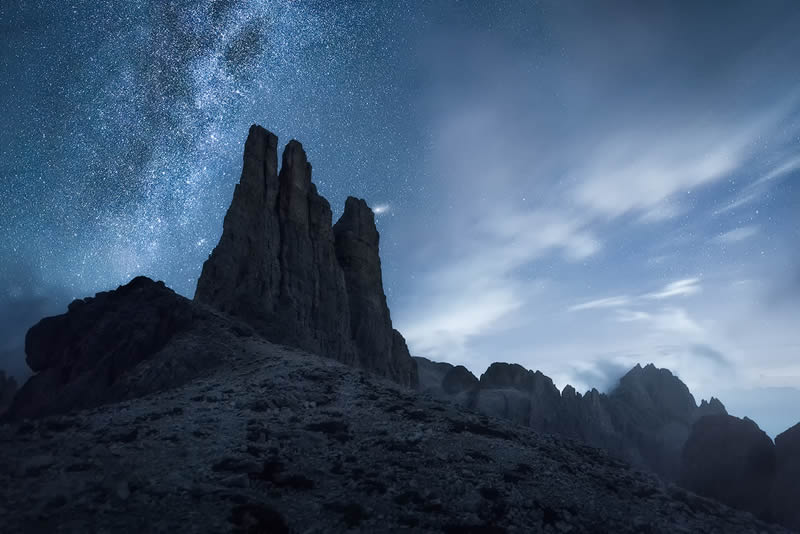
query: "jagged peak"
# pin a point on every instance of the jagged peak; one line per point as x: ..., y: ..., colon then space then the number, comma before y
x: 359, y: 220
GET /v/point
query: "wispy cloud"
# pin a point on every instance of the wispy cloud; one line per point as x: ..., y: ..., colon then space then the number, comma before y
x: 609, y: 302
x: 737, y: 234
x: 759, y: 187
x: 679, y: 288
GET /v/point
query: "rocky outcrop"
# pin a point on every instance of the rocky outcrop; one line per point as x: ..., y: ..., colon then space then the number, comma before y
x: 97, y: 351
x: 786, y: 486
x: 730, y: 460
x: 8, y: 388
x: 653, y: 411
x: 275, y: 264
x: 380, y: 348
x: 459, y: 380
x: 523, y: 396
x: 281, y: 267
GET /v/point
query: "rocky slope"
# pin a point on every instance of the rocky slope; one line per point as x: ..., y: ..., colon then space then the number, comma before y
x: 645, y: 420
x: 650, y: 420
x: 284, y: 269
x: 275, y: 440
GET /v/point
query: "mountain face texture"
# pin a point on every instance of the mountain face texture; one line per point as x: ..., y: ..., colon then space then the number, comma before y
x: 731, y: 460
x: 274, y: 440
x: 281, y: 266
x: 117, y: 345
x: 786, y: 486
x: 650, y: 420
x: 645, y: 420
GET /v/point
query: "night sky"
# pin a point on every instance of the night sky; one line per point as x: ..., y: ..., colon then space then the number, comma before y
x: 576, y: 187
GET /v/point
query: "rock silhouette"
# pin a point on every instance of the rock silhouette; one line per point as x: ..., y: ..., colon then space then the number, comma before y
x: 731, y: 460
x: 645, y: 420
x: 283, y: 268
x: 786, y: 486
x: 119, y: 344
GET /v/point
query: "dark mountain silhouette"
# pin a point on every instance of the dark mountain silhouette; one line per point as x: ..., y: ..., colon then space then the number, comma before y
x: 281, y: 267
x: 281, y: 398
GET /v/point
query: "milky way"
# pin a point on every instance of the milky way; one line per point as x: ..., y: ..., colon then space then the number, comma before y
x: 129, y: 119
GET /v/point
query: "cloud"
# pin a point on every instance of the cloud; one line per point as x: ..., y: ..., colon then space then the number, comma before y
x: 759, y: 187
x: 687, y: 286
x: 737, y: 234
x: 679, y: 288
x: 626, y: 175
x: 710, y: 353
x: 609, y: 302
x: 672, y: 320
x: 570, y: 172
x: 603, y: 374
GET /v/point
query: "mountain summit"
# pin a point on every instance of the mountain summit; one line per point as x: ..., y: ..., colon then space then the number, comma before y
x: 281, y: 266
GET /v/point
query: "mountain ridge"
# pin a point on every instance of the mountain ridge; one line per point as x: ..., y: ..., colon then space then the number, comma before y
x: 284, y: 282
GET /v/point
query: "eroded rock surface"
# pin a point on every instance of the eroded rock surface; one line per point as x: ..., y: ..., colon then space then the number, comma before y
x: 119, y: 344
x: 280, y: 266
x: 276, y: 440
x: 731, y: 460
x: 381, y: 349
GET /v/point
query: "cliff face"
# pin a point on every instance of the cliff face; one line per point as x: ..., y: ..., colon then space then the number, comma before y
x: 283, y: 268
x: 380, y: 348
x: 786, y: 486
x: 645, y: 420
x: 139, y: 338
x: 730, y: 460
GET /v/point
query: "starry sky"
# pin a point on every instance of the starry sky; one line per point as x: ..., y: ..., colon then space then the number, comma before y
x: 573, y: 186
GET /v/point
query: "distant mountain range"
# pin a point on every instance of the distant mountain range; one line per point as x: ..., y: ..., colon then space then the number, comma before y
x: 649, y: 419
x: 282, y: 273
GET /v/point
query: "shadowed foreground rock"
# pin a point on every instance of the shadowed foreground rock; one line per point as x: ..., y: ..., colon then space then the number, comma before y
x: 731, y: 460
x: 786, y: 487
x: 281, y: 441
x: 113, y: 346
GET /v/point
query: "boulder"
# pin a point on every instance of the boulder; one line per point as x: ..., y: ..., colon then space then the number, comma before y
x: 79, y: 358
